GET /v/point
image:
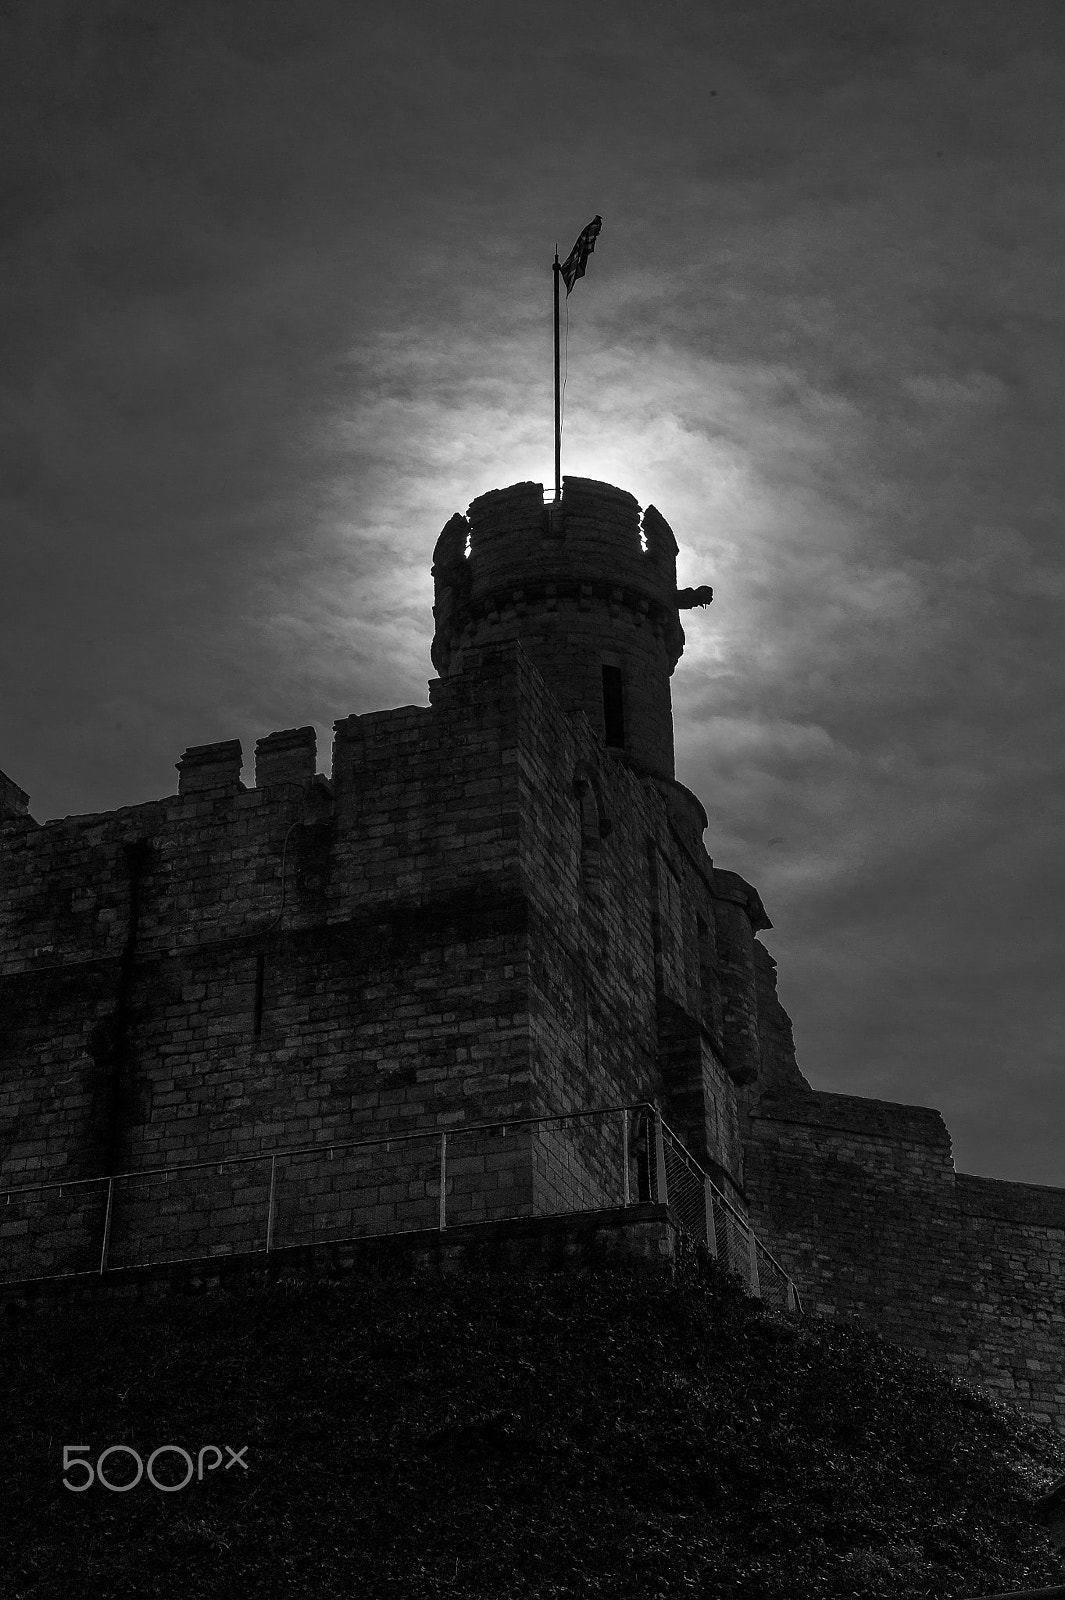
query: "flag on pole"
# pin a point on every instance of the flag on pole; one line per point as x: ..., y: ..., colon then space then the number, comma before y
x: 573, y: 266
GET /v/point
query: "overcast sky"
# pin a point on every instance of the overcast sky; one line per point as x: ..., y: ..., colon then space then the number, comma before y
x: 276, y: 302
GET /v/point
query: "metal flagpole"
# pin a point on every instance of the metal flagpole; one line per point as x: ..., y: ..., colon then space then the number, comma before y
x: 558, y: 394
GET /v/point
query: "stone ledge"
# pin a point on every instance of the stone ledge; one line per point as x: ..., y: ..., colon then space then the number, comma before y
x: 844, y: 1113
x: 1039, y: 1205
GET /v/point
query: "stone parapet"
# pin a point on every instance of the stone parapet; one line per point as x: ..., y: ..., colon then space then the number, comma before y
x: 14, y: 802
x: 210, y: 766
x: 589, y: 586
x: 286, y: 757
x: 852, y: 1114
x: 1032, y: 1205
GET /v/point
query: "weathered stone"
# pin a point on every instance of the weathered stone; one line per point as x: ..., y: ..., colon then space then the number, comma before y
x: 500, y: 907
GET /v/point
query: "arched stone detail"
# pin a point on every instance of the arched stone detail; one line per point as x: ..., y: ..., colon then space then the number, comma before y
x: 595, y: 823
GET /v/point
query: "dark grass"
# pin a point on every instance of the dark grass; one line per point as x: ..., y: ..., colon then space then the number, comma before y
x: 513, y: 1434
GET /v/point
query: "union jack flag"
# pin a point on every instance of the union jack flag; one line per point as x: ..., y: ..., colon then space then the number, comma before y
x: 573, y: 266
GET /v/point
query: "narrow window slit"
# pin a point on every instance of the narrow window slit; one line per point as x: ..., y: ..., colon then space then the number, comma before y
x: 260, y: 987
x: 613, y: 708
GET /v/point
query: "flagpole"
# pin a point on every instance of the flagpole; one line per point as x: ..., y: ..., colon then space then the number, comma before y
x: 558, y: 394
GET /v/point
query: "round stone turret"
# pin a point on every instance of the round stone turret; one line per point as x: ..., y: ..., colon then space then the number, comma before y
x: 589, y: 587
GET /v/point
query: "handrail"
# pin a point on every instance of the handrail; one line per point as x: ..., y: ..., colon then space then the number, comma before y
x: 333, y: 1144
x: 725, y: 1201
x: 677, y: 1194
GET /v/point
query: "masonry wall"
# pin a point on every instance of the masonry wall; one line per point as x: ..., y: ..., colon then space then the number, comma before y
x: 303, y: 967
x: 592, y: 983
x: 608, y: 948
x: 1011, y: 1240
x: 484, y: 916
x: 858, y: 1194
x: 625, y: 995
x: 862, y: 1205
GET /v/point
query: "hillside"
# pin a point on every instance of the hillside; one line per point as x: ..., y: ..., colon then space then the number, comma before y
x: 519, y: 1434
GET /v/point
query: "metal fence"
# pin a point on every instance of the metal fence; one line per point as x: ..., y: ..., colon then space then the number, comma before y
x: 708, y: 1217
x: 435, y: 1179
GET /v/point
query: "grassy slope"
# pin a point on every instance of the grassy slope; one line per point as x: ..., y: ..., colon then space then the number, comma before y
x: 607, y: 1434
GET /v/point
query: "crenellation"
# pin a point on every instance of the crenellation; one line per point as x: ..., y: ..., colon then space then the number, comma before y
x: 14, y: 802
x: 209, y: 767
x: 285, y: 757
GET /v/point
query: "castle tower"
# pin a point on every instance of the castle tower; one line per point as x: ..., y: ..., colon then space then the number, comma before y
x: 589, y: 587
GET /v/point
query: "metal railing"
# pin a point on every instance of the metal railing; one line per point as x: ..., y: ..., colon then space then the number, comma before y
x: 708, y: 1217
x: 436, y: 1178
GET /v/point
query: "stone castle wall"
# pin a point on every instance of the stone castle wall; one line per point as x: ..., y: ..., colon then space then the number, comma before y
x: 865, y: 1210
x: 498, y: 908
x: 481, y: 917
x: 1011, y: 1241
x: 231, y: 970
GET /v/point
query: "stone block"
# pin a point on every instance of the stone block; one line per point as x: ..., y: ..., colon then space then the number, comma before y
x: 210, y: 766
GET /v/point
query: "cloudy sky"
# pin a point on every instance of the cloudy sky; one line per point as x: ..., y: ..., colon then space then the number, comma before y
x: 275, y: 302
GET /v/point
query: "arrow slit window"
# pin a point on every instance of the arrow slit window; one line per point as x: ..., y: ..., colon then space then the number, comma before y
x: 613, y: 707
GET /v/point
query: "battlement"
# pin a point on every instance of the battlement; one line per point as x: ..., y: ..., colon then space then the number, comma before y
x: 589, y: 586
x: 595, y: 532
x: 513, y: 550
x: 14, y: 802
